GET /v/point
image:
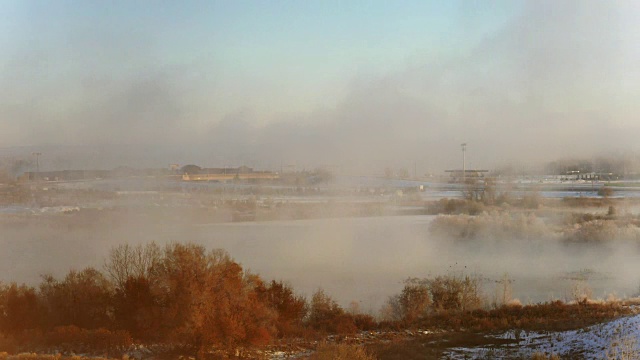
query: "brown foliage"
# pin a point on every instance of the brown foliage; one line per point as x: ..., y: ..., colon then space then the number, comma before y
x: 290, y: 308
x: 82, y: 299
x: 74, y: 339
x: 364, y: 322
x: 328, y: 317
x: 207, y: 300
x: 136, y: 309
x: 19, y: 309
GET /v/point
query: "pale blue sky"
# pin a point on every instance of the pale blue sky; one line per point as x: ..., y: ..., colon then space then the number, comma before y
x: 265, y: 55
x: 262, y: 75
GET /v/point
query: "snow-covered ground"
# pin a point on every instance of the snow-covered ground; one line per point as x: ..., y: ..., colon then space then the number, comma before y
x: 602, y: 341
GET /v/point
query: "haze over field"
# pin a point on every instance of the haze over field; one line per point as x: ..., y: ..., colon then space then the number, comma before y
x: 358, y: 84
x: 358, y: 259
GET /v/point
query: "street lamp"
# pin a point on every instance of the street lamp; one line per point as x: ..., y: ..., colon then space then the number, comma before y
x: 464, y: 171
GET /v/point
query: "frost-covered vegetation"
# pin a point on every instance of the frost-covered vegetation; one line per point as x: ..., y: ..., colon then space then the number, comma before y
x: 566, y: 227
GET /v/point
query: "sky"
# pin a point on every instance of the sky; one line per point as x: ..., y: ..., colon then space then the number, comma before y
x: 359, y: 85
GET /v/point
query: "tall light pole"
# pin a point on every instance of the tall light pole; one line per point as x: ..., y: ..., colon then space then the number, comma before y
x: 37, y: 155
x: 464, y: 169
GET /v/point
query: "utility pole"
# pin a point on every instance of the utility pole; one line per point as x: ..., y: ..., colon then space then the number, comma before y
x: 464, y: 169
x: 37, y: 155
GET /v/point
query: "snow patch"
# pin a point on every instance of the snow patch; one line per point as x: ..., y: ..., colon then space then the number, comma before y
x: 593, y: 342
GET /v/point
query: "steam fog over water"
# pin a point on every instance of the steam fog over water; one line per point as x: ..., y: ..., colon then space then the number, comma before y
x: 356, y: 147
x: 353, y: 259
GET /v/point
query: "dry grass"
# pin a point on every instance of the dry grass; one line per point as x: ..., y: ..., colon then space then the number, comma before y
x: 468, y: 329
x: 551, y: 316
x: 432, y: 346
x: 543, y: 356
x: 341, y: 352
x: 33, y: 356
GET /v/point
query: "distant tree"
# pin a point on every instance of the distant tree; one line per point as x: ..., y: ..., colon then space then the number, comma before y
x: 403, y: 173
x: 320, y: 176
x: 19, y: 166
x: 605, y: 191
x: 472, y: 191
x: 489, y: 191
x: 190, y: 169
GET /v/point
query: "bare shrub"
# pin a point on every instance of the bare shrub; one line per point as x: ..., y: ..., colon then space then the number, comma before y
x: 390, y: 310
x: 581, y: 291
x: 414, y: 301
x: 605, y: 191
x: 327, y: 316
x: 602, y: 230
x: 532, y: 200
x: 457, y: 293
x: 420, y: 297
x: 126, y: 261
